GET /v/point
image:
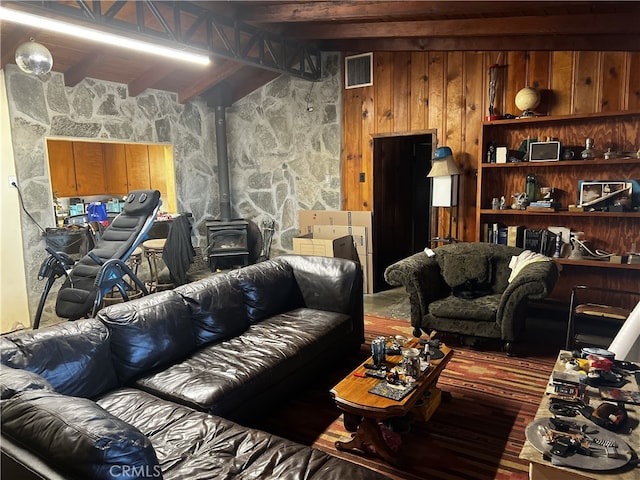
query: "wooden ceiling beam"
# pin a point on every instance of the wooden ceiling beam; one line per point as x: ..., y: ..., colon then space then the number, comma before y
x: 586, y: 42
x: 84, y: 67
x: 213, y: 75
x: 506, y: 27
x: 12, y: 41
x: 288, y: 12
x: 246, y: 84
x: 150, y: 78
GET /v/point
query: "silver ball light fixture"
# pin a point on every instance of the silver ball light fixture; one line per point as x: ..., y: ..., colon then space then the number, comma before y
x: 34, y: 58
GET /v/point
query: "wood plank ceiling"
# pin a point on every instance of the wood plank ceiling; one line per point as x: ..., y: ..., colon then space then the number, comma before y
x: 344, y: 26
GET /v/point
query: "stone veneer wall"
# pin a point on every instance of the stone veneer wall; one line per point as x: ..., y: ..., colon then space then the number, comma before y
x: 283, y: 157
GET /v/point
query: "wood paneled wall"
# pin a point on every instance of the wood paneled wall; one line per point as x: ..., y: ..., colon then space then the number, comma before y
x: 448, y: 92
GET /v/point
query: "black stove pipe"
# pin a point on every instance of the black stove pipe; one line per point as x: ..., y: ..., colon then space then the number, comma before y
x: 223, y: 163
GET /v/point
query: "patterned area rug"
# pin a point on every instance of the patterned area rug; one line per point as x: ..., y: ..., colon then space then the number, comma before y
x: 476, y: 435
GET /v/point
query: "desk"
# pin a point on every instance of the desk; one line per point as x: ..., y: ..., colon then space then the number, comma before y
x: 541, y: 469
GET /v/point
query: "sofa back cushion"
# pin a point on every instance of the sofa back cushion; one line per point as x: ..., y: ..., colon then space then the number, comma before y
x: 502, y: 271
x: 78, y: 436
x: 477, y: 263
x: 74, y: 357
x: 470, y: 270
x: 217, y: 309
x: 148, y: 332
x: 269, y: 288
x: 16, y: 380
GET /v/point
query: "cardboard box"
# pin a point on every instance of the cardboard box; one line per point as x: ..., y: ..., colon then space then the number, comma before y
x: 350, y: 218
x: 322, y: 221
x: 340, y: 247
x: 367, y: 271
x: 359, y: 235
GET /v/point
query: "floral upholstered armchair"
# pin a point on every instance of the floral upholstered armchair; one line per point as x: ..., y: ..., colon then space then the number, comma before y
x: 470, y: 289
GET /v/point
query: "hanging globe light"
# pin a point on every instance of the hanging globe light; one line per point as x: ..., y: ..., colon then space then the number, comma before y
x: 34, y: 58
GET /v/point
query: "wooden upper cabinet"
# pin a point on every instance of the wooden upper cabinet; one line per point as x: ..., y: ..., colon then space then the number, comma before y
x: 158, y: 169
x: 90, y: 172
x: 115, y: 165
x: 137, y: 157
x: 62, y: 170
x: 79, y: 168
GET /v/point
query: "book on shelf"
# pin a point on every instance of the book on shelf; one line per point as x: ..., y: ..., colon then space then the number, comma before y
x: 532, y: 239
x: 539, y: 240
x: 515, y: 235
x: 501, y: 232
x: 494, y: 233
x: 487, y: 233
x: 548, y: 243
x: 543, y: 206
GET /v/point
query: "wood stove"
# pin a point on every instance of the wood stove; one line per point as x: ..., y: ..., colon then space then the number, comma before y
x: 227, y: 243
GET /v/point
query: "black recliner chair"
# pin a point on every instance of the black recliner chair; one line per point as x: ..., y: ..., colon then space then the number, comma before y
x: 103, y: 268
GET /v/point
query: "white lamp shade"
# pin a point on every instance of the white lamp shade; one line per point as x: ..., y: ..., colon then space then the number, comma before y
x: 445, y: 191
x: 443, y: 166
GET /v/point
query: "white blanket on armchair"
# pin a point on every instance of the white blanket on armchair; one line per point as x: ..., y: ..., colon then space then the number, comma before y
x: 527, y: 257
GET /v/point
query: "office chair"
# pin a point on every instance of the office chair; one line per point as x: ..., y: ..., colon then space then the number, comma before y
x: 103, y: 268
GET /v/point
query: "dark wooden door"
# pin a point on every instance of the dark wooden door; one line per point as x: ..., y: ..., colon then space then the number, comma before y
x: 400, y: 200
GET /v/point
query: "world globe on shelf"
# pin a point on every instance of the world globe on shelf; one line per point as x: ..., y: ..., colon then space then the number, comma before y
x: 526, y: 100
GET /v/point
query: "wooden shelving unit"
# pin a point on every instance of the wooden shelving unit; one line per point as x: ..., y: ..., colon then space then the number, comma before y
x: 613, y: 232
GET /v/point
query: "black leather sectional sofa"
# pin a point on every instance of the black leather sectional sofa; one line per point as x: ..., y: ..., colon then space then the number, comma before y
x: 152, y: 388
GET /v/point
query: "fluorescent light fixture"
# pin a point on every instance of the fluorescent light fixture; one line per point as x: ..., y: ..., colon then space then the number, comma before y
x: 99, y: 36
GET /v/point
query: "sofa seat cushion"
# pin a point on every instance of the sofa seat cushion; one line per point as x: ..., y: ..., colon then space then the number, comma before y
x: 78, y: 436
x: 469, y: 328
x: 74, y: 357
x: 481, y: 309
x: 222, y: 376
x: 198, y: 446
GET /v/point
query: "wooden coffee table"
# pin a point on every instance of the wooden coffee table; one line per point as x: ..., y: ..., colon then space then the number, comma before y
x: 362, y: 410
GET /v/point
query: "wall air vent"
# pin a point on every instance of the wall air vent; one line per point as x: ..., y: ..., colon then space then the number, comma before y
x: 358, y: 70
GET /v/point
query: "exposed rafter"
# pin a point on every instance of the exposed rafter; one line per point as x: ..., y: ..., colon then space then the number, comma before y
x: 252, y: 42
x: 184, y: 24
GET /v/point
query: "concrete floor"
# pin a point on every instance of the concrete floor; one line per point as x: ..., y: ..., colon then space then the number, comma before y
x: 392, y: 303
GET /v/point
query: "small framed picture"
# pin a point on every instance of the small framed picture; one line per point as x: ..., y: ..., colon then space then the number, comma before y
x: 544, y: 151
x: 599, y: 194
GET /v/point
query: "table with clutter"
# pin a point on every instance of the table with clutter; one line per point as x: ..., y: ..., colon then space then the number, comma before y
x: 382, y: 396
x: 586, y: 426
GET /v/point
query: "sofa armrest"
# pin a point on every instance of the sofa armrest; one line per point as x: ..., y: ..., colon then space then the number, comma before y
x: 77, y: 436
x: 534, y: 282
x: 420, y: 275
x: 331, y: 284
